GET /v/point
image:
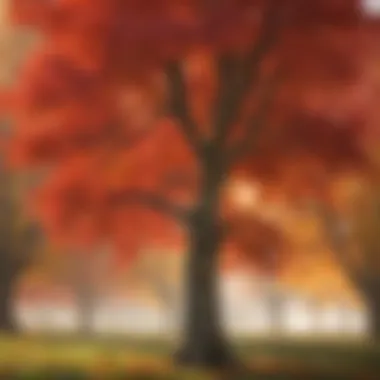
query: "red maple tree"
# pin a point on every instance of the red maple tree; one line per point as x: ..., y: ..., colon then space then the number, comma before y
x: 254, y: 88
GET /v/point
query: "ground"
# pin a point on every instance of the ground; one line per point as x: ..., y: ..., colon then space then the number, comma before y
x: 50, y: 358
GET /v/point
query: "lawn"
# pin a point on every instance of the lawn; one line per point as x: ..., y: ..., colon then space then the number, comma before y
x: 65, y: 358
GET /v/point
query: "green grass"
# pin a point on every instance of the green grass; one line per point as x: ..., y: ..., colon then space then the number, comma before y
x: 38, y: 358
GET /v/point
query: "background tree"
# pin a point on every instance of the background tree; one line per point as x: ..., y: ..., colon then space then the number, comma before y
x: 19, y: 240
x: 353, y: 236
x: 84, y: 277
x: 263, y: 248
x: 161, y: 273
x: 20, y: 237
x: 103, y: 64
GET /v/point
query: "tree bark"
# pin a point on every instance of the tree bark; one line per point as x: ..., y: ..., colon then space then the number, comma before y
x: 369, y: 287
x: 372, y: 297
x: 7, y: 323
x: 204, y: 344
x: 374, y: 320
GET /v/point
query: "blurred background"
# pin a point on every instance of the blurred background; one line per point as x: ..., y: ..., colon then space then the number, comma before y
x: 67, y: 293
x: 315, y: 269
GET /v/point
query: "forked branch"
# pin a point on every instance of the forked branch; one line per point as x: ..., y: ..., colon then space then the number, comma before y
x: 178, y: 105
x: 257, y: 122
x: 237, y: 78
x: 338, y: 237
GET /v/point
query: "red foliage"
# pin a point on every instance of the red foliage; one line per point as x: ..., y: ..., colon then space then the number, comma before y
x: 89, y: 104
x: 254, y: 242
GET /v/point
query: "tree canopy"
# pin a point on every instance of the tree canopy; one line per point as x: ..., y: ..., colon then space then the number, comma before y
x: 121, y: 99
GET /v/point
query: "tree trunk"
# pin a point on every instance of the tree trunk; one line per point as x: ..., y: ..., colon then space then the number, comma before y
x: 275, y: 309
x: 85, y: 307
x: 7, y: 323
x: 374, y: 327
x: 85, y: 318
x: 82, y: 285
x: 373, y: 307
x: 203, y: 343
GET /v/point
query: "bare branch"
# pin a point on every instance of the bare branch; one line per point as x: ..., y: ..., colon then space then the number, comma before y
x: 257, y: 122
x: 338, y: 237
x: 238, y: 78
x: 365, y: 222
x: 151, y: 201
x: 231, y: 89
x: 156, y: 275
x: 178, y: 106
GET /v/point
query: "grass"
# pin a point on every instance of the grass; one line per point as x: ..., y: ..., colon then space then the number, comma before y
x: 50, y: 358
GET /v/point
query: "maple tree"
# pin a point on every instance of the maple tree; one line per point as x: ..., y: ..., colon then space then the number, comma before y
x: 346, y: 205
x: 247, y: 87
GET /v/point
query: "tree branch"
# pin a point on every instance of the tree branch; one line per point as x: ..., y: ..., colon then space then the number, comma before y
x: 238, y: 78
x: 178, y: 106
x: 337, y: 236
x: 151, y: 201
x: 257, y: 122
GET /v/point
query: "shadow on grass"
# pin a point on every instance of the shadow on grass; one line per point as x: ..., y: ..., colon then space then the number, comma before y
x: 64, y: 374
x: 65, y: 358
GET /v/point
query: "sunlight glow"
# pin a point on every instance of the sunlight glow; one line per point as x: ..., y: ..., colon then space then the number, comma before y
x: 241, y: 315
x: 371, y: 7
x: 245, y: 195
